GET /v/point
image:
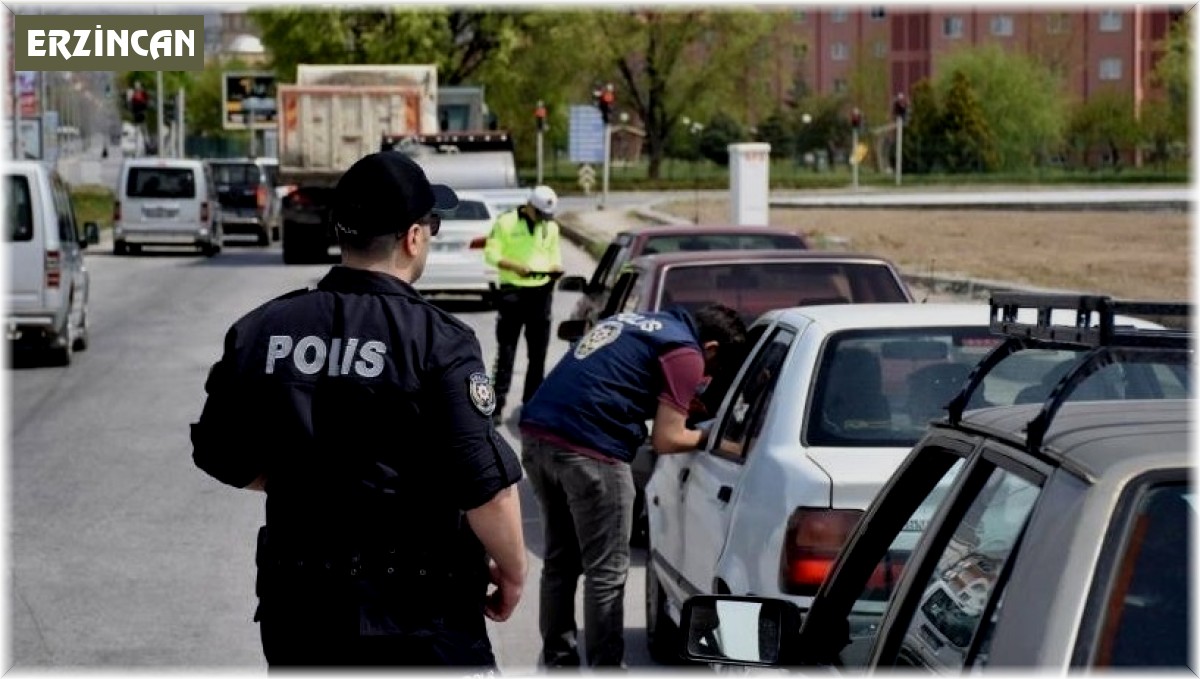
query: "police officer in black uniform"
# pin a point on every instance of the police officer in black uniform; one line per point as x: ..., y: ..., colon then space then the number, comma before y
x: 364, y: 413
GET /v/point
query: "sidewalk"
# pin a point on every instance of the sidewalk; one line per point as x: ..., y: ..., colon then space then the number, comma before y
x: 592, y: 230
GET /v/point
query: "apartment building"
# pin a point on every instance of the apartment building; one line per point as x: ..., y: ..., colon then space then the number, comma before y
x: 1091, y: 47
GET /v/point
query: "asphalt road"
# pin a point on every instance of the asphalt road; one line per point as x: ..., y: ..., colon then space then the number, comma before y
x: 122, y: 553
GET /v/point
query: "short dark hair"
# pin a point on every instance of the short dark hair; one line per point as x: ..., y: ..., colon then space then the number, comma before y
x: 719, y: 323
x: 375, y: 247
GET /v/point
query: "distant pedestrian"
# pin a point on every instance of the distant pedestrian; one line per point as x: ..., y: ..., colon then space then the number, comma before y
x: 578, y: 435
x: 363, y: 412
x: 524, y: 246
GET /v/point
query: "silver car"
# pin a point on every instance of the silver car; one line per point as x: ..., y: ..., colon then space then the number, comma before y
x: 1054, y: 535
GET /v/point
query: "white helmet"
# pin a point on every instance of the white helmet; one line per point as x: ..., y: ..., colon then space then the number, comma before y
x: 544, y: 200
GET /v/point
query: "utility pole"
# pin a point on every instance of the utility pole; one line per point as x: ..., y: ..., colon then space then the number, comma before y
x: 158, y: 126
x: 179, y: 118
x: 856, y: 120
x: 539, y: 114
x: 900, y: 112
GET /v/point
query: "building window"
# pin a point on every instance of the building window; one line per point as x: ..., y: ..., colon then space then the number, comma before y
x: 838, y: 51
x: 1110, y: 69
x: 1110, y: 21
x: 878, y: 13
x: 952, y: 27
x: 880, y: 49
x: 1058, y: 23
x: 839, y: 85
x: 838, y: 16
x: 1002, y: 25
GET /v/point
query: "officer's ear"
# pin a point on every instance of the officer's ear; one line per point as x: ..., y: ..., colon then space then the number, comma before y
x: 410, y: 240
x: 710, y: 350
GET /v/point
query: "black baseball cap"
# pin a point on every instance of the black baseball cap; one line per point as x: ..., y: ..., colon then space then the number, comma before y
x: 386, y: 192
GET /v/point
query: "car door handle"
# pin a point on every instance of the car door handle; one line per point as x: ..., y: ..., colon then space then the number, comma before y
x: 724, y: 493
x: 684, y: 474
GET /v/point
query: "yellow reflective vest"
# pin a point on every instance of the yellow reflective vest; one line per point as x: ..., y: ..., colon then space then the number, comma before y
x: 511, y: 239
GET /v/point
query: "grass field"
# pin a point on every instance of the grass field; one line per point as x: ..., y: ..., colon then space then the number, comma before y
x: 1137, y: 255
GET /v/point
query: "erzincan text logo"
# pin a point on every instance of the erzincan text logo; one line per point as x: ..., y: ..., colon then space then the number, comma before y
x: 109, y: 42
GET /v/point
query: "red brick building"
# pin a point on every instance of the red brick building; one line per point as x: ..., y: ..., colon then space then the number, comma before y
x: 1092, y: 47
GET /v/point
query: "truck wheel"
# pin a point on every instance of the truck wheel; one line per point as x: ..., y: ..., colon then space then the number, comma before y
x: 662, y: 635
x: 120, y: 248
x: 80, y: 343
x: 58, y: 350
x: 264, y: 236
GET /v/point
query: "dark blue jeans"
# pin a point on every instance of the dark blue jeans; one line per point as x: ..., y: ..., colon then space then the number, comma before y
x: 587, y: 511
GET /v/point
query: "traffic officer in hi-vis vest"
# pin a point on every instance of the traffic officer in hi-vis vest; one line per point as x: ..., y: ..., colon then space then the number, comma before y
x: 393, y: 525
x: 524, y: 246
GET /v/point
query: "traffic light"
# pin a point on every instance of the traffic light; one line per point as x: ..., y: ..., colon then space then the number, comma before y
x: 539, y: 113
x: 605, y: 99
x: 900, y: 106
x: 856, y: 118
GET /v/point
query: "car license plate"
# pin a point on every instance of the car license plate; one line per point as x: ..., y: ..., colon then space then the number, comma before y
x: 151, y: 212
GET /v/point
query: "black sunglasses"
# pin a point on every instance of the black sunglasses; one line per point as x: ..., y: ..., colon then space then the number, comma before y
x: 433, y: 221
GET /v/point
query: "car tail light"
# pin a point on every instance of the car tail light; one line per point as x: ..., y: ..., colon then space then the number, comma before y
x: 297, y: 198
x: 478, y: 243
x: 204, y: 211
x: 53, y: 268
x: 260, y: 197
x: 811, y: 544
x: 116, y: 211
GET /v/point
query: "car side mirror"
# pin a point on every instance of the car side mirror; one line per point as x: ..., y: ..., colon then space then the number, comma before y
x: 569, y: 331
x: 737, y: 630
x: 91, y: 233
x: 572, y: 284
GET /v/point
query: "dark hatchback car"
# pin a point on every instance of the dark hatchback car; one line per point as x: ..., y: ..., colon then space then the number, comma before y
x: 751, y: 283
x: 245, y: 190
x: 650, y: 240
x: 1055, y: 535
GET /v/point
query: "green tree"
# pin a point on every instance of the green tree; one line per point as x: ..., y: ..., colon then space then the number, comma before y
x: 1104, y: 123
x: 828, y: 126
x: 924, y: 136
x: 672, y: 64
x: 716, y: 137
x: 1173, y: 75
x: 776, y: 131
x: 459, y: 42
x: 1021, y: 101
x: 968, y: 142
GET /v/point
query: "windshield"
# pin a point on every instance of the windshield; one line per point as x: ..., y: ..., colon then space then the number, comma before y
x: 160, y: 182
x: 721, y: 241
x: 230, y: 173
x: 467, y: 210
x: 752, y: 288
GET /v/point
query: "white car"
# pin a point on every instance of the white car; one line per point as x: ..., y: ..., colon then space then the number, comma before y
x: 48, y: 279
x: 456, y: 263
x: 826, y: 406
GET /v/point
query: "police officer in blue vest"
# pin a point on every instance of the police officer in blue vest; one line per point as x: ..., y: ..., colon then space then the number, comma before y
x: 393, y: 525
x: 578, y: 435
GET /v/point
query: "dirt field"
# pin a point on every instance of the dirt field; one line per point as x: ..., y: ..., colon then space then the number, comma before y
x: 1133, y: 255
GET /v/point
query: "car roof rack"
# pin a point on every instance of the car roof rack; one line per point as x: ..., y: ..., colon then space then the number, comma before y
x: 1095, y: 333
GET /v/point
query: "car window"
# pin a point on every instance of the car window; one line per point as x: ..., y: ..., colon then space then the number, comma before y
x: 272, y: 174
x: 871, y: 600
x: 18, y: 210
x: 720, y: 241
x: 160, y: 182
x: 468, y: 210
x: 1029, y: 376
x: 236, y: 173
x: 1147, y: 622
x: 620, y: 293
x: 66, y: 215
x: 753, y: 288
x: 609, y: 277
x: 950, y: 613
x: 743, y: 420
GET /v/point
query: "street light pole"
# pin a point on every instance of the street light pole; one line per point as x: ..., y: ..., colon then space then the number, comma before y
x: 161, y: 133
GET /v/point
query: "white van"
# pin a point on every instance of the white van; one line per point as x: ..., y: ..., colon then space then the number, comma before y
x: 48, y: 283
x: 166, y: 201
